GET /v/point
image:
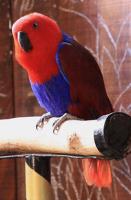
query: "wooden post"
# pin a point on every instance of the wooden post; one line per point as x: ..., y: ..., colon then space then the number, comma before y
x: 76, y: 138
x: 37, y: 177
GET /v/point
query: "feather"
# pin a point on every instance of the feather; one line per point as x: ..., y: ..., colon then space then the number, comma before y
x: 64, y: 77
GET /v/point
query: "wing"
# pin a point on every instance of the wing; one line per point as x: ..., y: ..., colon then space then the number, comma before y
x: 87, y: 89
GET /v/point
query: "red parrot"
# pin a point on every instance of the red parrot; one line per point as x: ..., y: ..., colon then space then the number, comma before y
x: 64, y: 77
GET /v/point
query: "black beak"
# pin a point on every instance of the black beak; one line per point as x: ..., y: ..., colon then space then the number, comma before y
x: 24, y: 41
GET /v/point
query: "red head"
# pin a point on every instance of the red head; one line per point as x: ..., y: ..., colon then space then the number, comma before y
x: 36, y: 39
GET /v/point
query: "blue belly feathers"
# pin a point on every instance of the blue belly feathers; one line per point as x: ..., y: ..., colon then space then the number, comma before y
x: 54, y: 95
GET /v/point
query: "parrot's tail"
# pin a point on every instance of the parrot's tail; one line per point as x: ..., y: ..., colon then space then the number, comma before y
x: 97, y: 172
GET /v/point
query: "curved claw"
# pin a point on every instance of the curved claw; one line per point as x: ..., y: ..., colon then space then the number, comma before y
x: 43, y: 120
x: 57, y: 124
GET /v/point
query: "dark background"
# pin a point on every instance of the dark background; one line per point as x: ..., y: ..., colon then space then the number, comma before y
x: 103, y: 26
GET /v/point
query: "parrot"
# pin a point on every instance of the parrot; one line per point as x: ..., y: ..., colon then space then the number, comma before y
x: 65, y: 78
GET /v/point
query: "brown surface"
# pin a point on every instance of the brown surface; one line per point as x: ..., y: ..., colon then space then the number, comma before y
x: 7, y: 167
x: 102, y: 26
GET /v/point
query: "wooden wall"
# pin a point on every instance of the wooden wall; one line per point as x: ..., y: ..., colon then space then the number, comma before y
x: 104, y: 27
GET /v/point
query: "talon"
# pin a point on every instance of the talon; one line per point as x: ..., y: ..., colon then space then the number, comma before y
x: 57, y: 124
x: 56, y: 128
x: 43, y: 120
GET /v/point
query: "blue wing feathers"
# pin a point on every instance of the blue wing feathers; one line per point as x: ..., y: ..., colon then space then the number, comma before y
x: 66, y: 39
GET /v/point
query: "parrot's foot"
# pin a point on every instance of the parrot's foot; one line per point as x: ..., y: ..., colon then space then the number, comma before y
x: 43, y: 120
x: 63, y: 118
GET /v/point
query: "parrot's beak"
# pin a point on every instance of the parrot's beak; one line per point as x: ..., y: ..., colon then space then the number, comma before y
x: 24, y: 41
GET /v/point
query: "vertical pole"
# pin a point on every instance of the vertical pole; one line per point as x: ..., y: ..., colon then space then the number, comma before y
x: 37, y: 177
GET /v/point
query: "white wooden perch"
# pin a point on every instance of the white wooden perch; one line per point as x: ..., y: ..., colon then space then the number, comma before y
x: 107, y: 136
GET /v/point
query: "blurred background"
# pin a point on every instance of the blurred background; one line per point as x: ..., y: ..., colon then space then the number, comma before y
x: 102, y: 26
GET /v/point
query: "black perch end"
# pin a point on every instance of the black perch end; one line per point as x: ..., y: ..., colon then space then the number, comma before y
x: 113, y: 140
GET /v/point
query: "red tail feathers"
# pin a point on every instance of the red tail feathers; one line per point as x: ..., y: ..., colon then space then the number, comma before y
x: 97, y: 172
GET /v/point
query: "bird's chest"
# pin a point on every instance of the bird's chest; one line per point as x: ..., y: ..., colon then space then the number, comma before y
x: 54, y: 95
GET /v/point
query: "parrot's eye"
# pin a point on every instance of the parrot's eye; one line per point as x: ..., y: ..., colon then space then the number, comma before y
x: 35, y: 25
